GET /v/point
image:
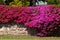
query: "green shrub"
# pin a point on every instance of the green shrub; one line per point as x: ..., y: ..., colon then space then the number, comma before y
x: 20, y: 3
x: 1, y: 2
x: 58, y: 5
x: 52, y: 1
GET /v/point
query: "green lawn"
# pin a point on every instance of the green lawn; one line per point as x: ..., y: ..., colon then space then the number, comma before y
x: 10, y: 37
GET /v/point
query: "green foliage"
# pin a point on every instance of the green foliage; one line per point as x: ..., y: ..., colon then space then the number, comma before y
x: 20, y: 3
x: 56, y: 2
x: 1, y: 2
x: 58, y: 5
x: 25, y: 2
x: 52, y: 1
x: 16, y: 3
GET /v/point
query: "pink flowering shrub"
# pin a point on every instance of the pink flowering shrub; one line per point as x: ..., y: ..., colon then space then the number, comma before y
x: 45, y: 19
x: 11, y: 14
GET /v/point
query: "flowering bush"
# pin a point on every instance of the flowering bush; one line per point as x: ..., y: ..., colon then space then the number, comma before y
x: 45, y: 19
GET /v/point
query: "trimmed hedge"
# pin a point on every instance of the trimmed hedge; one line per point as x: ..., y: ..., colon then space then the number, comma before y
x: 45, y: 19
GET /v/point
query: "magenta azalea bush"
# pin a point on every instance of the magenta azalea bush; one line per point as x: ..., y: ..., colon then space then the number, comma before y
x: 45, y: 19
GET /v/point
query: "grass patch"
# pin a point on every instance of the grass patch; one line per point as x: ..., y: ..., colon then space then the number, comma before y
x: 10, y: 37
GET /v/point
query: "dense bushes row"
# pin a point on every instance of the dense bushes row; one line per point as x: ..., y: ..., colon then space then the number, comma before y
x: 27, y: 2
x: 44, y: 18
